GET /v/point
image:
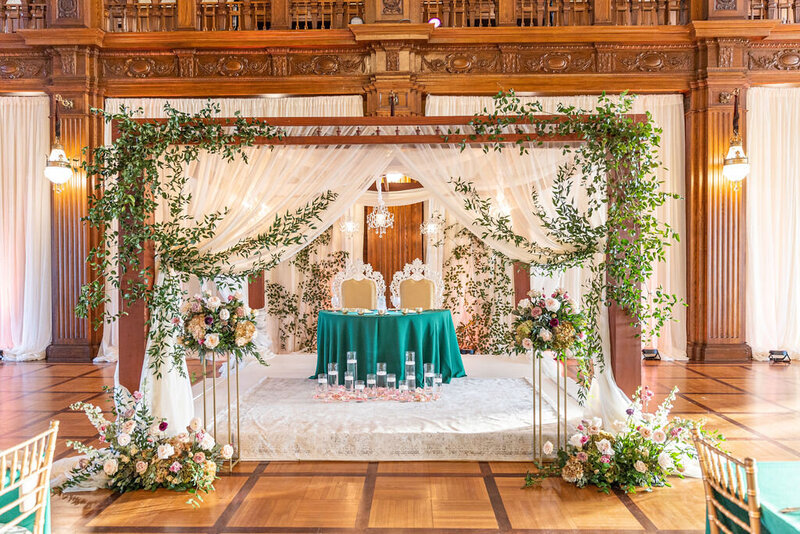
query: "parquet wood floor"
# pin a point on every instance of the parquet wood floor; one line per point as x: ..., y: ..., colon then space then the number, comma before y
x: 757, y: 406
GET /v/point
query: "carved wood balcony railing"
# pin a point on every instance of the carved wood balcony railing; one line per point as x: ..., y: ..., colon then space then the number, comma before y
x: 22, y: 14
x: 787, y: 11
x: 232, y: 15
x: 461, y: 13
x: 324, y: 14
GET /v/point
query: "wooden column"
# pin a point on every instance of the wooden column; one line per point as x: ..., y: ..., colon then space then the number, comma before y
x: 522, y: 281
x: 715, y: 213
x: 626, y: 350
x: 74, y: 339
x: 255, y: 292
x: 187, y: 15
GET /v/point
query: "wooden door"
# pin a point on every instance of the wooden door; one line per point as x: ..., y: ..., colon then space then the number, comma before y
x: 400, y: 244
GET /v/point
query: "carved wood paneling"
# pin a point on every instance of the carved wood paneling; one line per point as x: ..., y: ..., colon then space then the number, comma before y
x: 770, y: 57
x: 15, y: 66
x: 327, y: 63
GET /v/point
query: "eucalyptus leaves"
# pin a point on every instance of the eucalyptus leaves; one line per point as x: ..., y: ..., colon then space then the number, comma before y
x: 613, y: 171
x: 141, y: 172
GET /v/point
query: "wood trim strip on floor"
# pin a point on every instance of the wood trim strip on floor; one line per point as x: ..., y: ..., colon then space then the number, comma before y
x: 500, y: 513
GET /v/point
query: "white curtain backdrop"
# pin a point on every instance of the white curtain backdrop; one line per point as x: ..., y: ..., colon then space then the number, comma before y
x: 773, y: 220
x: 318, y: 106
x: 25, y: 301
x: 667, y: 112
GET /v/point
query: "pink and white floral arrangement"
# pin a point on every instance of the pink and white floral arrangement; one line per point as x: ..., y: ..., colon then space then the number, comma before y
x: 639, y: 452
x: 221, y: 326
x: 139, y: 455
x: 553, y: 323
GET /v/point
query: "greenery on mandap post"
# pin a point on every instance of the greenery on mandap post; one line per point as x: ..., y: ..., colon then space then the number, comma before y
x: 140, y: 175
x: 613, y: 170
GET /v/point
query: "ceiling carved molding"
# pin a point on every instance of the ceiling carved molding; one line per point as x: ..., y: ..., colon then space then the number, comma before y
x: 23, y: 66
x: 328, y: 63
x: 152, y: 65
x: 770, y: 57
x: 234, y: 65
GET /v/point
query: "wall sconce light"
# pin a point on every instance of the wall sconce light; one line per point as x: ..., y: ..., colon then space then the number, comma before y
x: 736, y: 166
x: 58, y: 168
x: 348, y: 227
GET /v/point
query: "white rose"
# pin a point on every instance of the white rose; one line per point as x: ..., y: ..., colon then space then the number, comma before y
x: 184, y: 437
x: 665, y: 461
x: 640, y: 466
x: 527, y: 344
x: 153, y: 430
x: 128, y: 426
x: 110, y: 466
x: 213, y: 303
x: 545, y: 334
x: 596, y: 421
x: 224, y: 314
x: 659, y: 436
x: 593, y: 430
x: 227, y: 452
x: 212, y: 341
x: 552, y: 304
x: 604, y: 446
x: 124, y: 439
x: 547, y: 448
x: 195, y: 424
x: 575, y: 441
x: 524, y: 303
x: 165, y: 451
x: 207, y: 443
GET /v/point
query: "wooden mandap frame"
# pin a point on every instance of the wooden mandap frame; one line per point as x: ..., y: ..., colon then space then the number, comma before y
x: 412, y: 130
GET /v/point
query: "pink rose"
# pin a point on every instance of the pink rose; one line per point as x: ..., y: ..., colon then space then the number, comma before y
x: 536, y: 311
x: 199, y: 457
x: 584, y: 439
x: 175, y: 467
x: 606, y: 459
x: 582, y: 456
x: 141, y: 467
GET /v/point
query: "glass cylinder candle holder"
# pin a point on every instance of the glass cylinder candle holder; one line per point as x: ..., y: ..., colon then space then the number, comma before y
x: 333, y: 375
x: 371, y: 382
x: 360, y: 392
x: 381, y: 375
x: 391, y: 381
x: 437, y: 382
x: 428, y: 375
x: 411, y: 369
x: 322, y: 383
x: 403, y: 387
x: 352, y: 363
x: 348, y: 381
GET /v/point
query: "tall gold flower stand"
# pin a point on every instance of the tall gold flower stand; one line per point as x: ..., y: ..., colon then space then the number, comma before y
x: 229, y: 394
x: 560, y: 390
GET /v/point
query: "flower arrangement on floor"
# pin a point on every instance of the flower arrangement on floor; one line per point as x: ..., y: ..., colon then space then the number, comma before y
x: 139, y: 455
x: 553, y: 323
x: 640, y: 452
x: 221, y: 326
x: 342, y: 394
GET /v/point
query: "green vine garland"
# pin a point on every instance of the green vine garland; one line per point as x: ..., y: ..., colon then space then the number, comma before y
x: 614, y: 166
x: 144, y: 168
x: 298, y: 311
x: 478, y: 276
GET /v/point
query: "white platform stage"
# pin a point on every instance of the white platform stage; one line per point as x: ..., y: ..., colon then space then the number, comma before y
x: 486, y: 416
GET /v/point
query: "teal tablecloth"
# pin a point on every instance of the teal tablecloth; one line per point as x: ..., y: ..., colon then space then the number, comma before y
x: 12, y: 514
x: 777, y: 489
x: 386, y: 338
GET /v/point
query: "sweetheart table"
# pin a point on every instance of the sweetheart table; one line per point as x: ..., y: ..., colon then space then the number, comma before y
x: 386, y: 338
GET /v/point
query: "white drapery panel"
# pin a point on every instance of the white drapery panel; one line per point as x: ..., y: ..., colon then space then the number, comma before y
x: 773, y: 220
x: 317, y: 106
x: 667, y: 112
x: 25, y: 300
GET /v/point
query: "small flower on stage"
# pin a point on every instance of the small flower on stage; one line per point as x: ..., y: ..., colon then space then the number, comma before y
x: 605, y: 447
x: 659, y: 436
x: 665, y: 461
x: 551, y: 304
x: 212, y: 340
x: 165, y: 451
x: 629, y: 411
x: 209, y: 320
x: 545, y: 334
x: 547, y: 448
x: 224, y: 314
x: 527, y: 344
x: 605, y: 459
x: 645, y: 432
x: 536, y: 311
x: 227, y: 452
x: 110, y: 466
x: 175, y: 467
x: 141, y: 467
x: 207, y: 442
x: 576, y: 441
x: 199, y: 457
x: 640, y: 466
x: 195, y: 424
x: 123, y: 439
x: 582, y: 456
x: 554, y: 322
x: 213, y: 303
x: 162, y: 426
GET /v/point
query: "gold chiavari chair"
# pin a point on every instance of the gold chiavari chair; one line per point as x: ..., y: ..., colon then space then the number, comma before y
x: 731, y: 489
x: 25, y: 481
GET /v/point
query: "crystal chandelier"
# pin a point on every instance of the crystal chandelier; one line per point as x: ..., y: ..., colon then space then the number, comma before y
x: 348, y: 227
x: 433, y: 225
x: 380, y: 218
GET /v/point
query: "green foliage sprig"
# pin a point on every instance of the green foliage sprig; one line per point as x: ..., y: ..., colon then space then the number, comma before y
x: 613, y: 171
x: 141, y: 172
